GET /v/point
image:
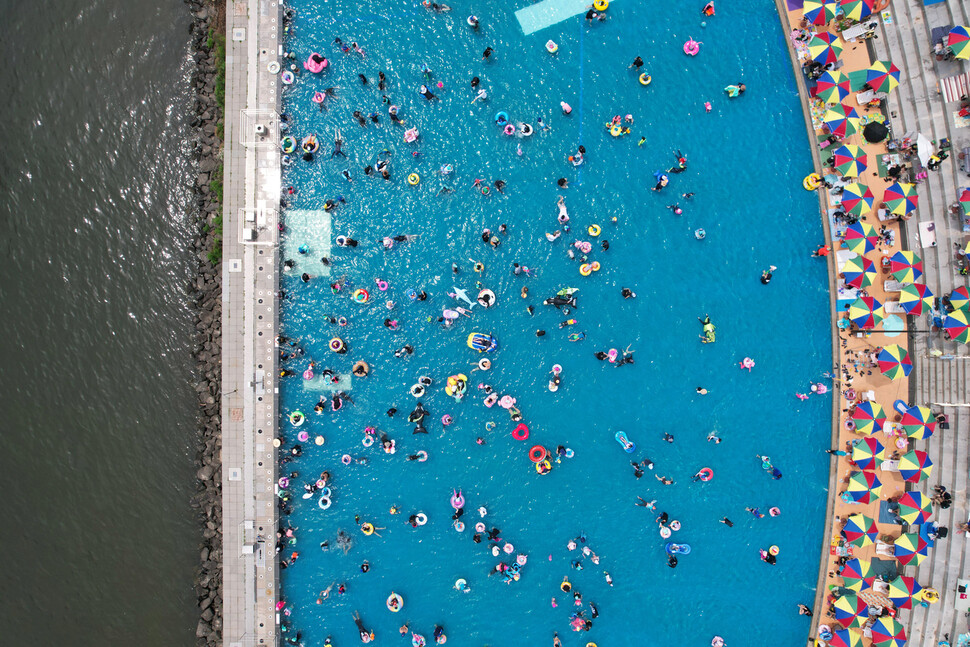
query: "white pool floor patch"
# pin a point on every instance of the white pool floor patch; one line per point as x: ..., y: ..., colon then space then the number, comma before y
x: 549, y: 12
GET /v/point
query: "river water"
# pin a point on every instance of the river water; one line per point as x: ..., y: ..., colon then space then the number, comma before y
x: 96, y: 395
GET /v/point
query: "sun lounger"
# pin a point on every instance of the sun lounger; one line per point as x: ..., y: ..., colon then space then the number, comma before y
x: 892, y: 286
x: 882, y: 548
x: 889, y: 466
x: 893, y: 307
x: 927, y: 234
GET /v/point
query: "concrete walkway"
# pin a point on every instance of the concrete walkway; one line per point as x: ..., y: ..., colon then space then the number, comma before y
x: 940, y: 381
x: 249, y: 285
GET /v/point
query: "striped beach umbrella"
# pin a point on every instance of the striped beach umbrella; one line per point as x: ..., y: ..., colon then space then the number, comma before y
x: 887, y: 632
x: 818, y: 12
x: 832, y: 86
x: 868, y: 453
x: 866, y: 312
x: 882, y: 76
x: 863, y: 487
x: 900, y: 198
x: 915, y: 508
x: 868, y: 417
x: 902, y: 590
x: 958, y: 40
x: 918, y: 422
x: 915, y: 465
x: 856, y: 9
x: 860, y: 530
x: 850, y: 160
x: 960, y: 298
x: 860, y: 238
x: 857, y: 574
x: 845, y: 638
x: 857, y: 199
x: 824, y: 48
x: 906, y: 266
x: 965, y: 200
x: 910, y: 548
x: 913, y: 297
x: 841, y: 120
x: 956, y: 326
x: 851, y: 610
x: 894, y: 361
x: 859, y: 272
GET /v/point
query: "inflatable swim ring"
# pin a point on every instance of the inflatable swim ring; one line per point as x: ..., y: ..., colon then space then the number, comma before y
x: 521, y: 432
x: 417, y: 390
x: 812, y: 181
x: 537, y: 453
x: 394, y: 597
x: 413, y: 179
x: 774, y: 550
x: 717, y: 641
x: 691, y: 47
x: 346, y: 459
x: 310, y: 144
x: 368, y: 441
x: 479, y: 267
x: 594, y: 230
x: 273, y: 67
x: 381, y: 285
x: 287, y: 77
x: 318, y: 97
x: 324, y: 502
x: 337, y: 345
x: 774, y: 511
x: 930, y: 595
x: 486, y: 302
x: 479, y: 527
x: 446, y: 420
x: 544, y: 467
x: 319, y: 440
x: 747, y: 363
x: 461, y: 584
x: 585, y: 269
x: 706, y: 474
x: 677, y: 549
x: 595, y: 266
x: 509, y: 129
x: 601, y: 5
x: 297, y: 418
x: 665, y: 532
x: 315, y: 63
x: 700, y: 234
x: 501, y: 118
x: 484, y: 364
x: 645, y: 79
x: 288, y: 144
x: 849, y: 424
x: 551, y: 47
x: 570, y: 453
x: 675, y: 525
x: 367, y: 528
x: 422, y: 455
x: 526, y: 130
x: 616, y: 130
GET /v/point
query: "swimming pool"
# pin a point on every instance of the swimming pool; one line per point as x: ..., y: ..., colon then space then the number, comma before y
x: 745, y: 161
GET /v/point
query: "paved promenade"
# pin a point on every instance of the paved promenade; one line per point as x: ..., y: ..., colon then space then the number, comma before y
x: 249, y: 279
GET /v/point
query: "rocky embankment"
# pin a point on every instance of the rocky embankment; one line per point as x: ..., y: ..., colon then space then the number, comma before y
x: 208, y: 89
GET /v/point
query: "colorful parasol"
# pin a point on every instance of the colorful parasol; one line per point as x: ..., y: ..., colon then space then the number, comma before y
x: 902, y: 590
x: 851, y: 610
x: 857, y: 199
x: 868, y: 417
x: 857, y: 574
x: 860, y: 237
x: 894, y: 361
x: 915, y: 465
x: 915, y: 508
x: 965, y: 200
x: 906, y: 266
x: 863, y: 487
x: 960, y: 299
x: 900, y: 198
x: 958, y: 40
x: 856, y: 9
x: 910, y: 548
x: 918, y: 422
x: 850, y: 160
x: 887, y: 632
x: 824, y: 47
x: 860, y: 530
x: 818, y: 12
x: 913, y: 297
x: 841, y: 120
x: 882, y: 76
x: 868, y: 453
x: 833, y: 86
x: 866, y: 312
x: 859, y: 272
x: 845, y: 638
x: 956, y: 326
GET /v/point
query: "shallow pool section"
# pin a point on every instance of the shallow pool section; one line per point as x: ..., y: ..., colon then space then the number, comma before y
x: 745, y: 160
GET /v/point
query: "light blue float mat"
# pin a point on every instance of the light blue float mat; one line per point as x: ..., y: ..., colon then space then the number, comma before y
x: 310, y: 227
x: 549, y: 12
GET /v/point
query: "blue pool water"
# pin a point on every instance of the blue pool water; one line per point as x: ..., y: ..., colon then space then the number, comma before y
x: 745, y: 162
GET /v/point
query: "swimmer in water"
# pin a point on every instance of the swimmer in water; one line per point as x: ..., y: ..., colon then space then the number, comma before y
x: 676, y: 209
x: 766, y: 275
x: 727, y: 522
x: 642, y: 141
x: 713, y: 437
